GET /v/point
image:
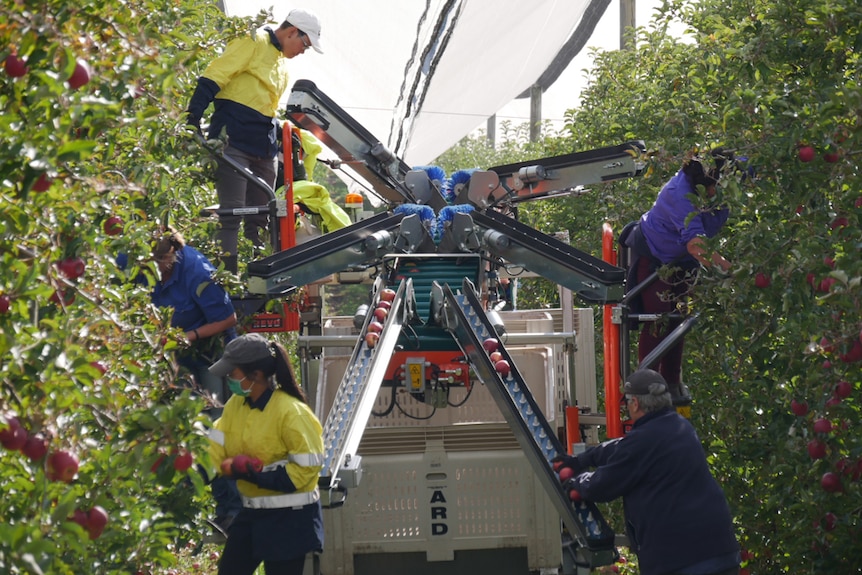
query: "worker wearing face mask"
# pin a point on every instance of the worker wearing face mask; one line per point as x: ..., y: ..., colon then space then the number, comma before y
x: 271, y: 442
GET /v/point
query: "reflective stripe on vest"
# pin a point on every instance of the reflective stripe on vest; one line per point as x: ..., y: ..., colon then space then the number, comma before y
x: 301, y: 459
x: 281, y: 501
x: 216, y: 436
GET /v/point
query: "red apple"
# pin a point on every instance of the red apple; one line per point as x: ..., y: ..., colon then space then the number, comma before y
x: 371, y: 339
x: 14, y: 436
x: 36, y: 447
x: 829, y: 521
x: 183, y: 460
x: 495, y: 356
x: 81, y: 75
x: 381, y: 314
x: 502, y: 367
x: 97, y: 519
x: 566, y: 473
x: 575, y: 495
x: 387, y: 294
x: 557, y: 465
x: 72, y: 268
x: 79, y: 517
x: 383, y: 304
x: 799, y: 408
x: 42, y: 183
x: 9, y: 425
x: 762, y: 280
x: 806, y: 153
x: 826, y: 284
x: 816, y: 449
x: 375, y: 327
x: 491, y: 344
x: 62, y: 466
x: 843, y: 389
x: 113, y: 226
x: 839, y: 222
x: 5, y: 303
x: 154, y: 468
x: 244, y: 464
x: 855, y: 353
x: 227, y: 466
x: 15, y: 66
x: 829, y: 261
x: 858, y: 202
x: 831, y: 157
x: 831, y: 482
x: 822, y: 425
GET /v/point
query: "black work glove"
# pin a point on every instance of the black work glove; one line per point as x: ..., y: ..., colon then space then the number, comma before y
x: 569, y: 461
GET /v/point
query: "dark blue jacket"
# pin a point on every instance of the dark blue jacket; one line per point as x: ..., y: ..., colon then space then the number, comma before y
x: 195, y: 297
x: 676, y: 513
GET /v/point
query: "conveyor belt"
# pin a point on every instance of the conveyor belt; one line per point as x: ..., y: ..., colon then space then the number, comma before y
x: 318, y: 258
x: 354, y: 400
x: 536, y: 179
x: 312, y: 110
x: 465, y: 318
x: 591, y: 278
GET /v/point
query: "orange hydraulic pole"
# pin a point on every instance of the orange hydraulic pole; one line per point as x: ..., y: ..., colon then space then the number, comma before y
x: 287, y: 225
x: 611, y: 336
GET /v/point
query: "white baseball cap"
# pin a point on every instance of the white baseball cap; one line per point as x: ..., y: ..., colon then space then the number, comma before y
x: 309, y: 24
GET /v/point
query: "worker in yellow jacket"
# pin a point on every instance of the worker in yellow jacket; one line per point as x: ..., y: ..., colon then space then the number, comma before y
x: 270, y: 440
x: 246, y: 84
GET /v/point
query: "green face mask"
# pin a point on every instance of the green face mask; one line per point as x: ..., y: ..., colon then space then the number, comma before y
x: 235, y: 386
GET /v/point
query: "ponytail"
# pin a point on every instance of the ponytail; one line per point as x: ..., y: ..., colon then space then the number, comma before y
x: 284, y: 375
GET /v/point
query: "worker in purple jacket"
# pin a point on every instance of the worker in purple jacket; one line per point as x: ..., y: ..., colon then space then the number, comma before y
x: 672, y: 234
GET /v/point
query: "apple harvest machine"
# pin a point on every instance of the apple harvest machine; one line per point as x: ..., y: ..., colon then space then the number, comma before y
x: 441, y: 424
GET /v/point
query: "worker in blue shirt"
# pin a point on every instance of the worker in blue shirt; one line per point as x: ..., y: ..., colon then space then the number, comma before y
x: 268, y: 419
x: 672, y: 234
x: 246, y: 82
x: 201, y: 308
x: 677, y: 519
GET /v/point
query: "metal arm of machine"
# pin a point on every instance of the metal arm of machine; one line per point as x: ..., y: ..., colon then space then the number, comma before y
x: 354, y: 400
x: 541, y: 178
x: 591, y: 278
x: 355, y: 146
x: 463, y: 316
x: 306, y: 263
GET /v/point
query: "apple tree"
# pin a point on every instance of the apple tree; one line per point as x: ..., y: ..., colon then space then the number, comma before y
x: 95, y: 423
x: 774, y: 361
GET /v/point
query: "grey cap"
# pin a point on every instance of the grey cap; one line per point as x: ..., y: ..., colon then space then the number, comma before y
x: 638, y: 383
x: 247, y: 348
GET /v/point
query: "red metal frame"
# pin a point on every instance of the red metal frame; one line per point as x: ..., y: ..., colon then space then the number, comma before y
x: 611, y: 336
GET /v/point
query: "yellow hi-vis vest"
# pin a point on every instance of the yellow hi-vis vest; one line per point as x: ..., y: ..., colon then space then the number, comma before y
x: 286, y: 433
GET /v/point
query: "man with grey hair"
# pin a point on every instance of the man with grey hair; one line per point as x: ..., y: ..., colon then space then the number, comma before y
x: 677, y: 518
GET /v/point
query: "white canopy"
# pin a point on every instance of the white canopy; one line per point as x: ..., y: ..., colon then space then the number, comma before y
x: 421, y: 75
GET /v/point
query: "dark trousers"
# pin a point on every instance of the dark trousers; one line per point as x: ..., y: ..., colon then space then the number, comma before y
x: 238, y: 557
x: 235, y: 191
x: 662, y: 297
